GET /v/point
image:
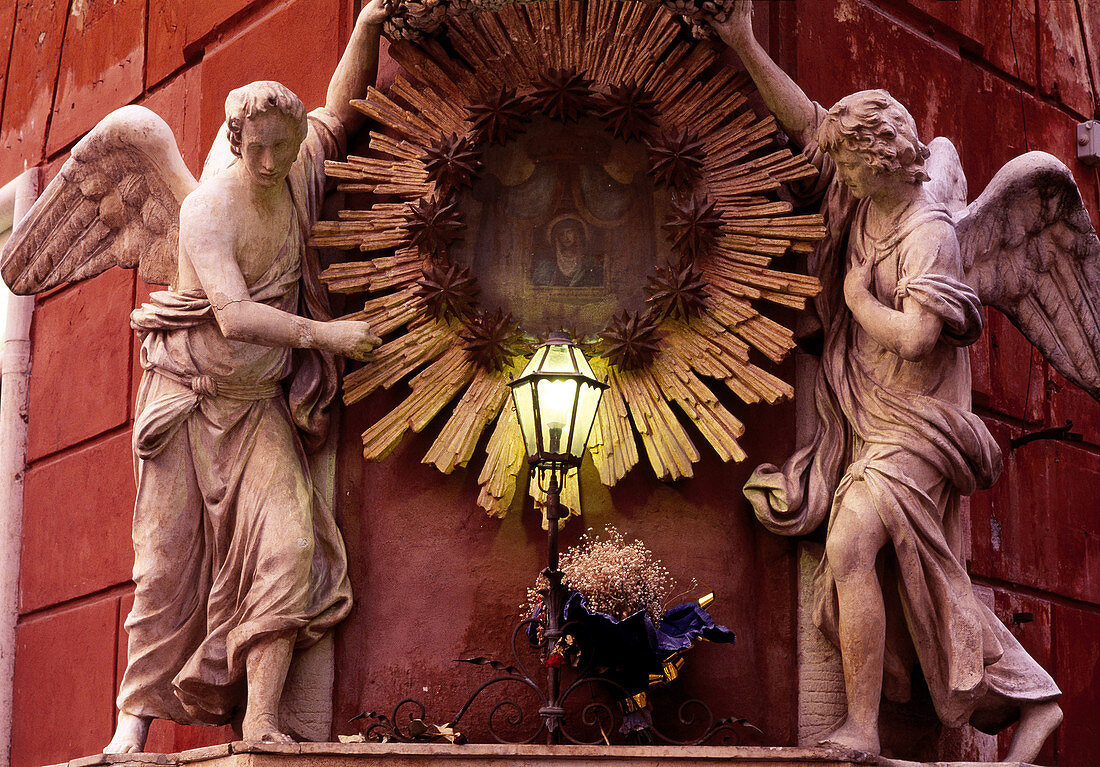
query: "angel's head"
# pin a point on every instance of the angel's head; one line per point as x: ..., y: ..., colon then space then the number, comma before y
x: 871, y: 131
x: 266, y: 124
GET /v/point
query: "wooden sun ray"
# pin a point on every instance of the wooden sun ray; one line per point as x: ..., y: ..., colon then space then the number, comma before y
x: 390, y: 311
x: 432, y: 389
x: 392, y: 361
x: 670, y: 450
x: 479, y: 407
x: 611, y: 444
x: 613, y: 43
x: 717, y: 424
x: 505, y: 457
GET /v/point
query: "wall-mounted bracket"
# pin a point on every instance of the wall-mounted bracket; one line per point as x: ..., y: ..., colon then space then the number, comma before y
x: 1062, y: 433
x: 1088, y: 142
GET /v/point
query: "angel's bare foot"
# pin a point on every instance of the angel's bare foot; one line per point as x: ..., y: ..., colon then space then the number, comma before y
x: 851, y: 735
x: 263, y: 728
x: 130, y: 734
x: 1037, y: 722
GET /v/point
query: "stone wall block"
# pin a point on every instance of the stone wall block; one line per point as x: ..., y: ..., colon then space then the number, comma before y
x: 1010, y: 375
x: 7, y: 31
x: 80, y: 362
x: 1064, y: 71
x: 76, y: 523
x: 292, y: 43
x: 1078, y: 674
x: 31, y: 80
x: 175, y: 26
x: 1003, y: 34
x: 849, y: 46
x: 64, y: 674
x: 101, y: 66
x: 1037, y: 526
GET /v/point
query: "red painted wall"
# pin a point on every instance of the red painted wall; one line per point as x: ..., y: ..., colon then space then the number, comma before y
x: 435, y: 578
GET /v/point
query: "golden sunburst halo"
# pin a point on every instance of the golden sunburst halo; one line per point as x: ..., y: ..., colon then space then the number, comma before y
x: 630, y: 66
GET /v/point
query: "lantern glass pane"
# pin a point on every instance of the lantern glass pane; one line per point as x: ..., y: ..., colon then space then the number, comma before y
x: 586, y: 416
x: 533, y: 363
x: 557, y: 360
x: 556, y: 411
x: 525, y: 412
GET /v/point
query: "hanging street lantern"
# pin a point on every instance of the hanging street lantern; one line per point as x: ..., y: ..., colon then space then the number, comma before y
x: 556, y: 397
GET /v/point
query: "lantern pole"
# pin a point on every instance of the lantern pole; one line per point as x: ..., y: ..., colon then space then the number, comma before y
x: 553, y: 712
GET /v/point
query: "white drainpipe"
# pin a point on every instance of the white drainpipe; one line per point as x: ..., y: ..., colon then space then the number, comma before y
x: 16, y: 199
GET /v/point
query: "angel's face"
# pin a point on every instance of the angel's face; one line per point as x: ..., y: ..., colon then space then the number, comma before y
x: 269, y: 147
x: 856, y: 173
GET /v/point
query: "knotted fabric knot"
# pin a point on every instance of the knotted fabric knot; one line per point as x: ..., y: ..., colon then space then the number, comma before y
x: 204, y: 386
x: 857, y: 468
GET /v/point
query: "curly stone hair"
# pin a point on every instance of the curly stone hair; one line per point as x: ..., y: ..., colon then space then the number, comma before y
x: 250, y: 100
x: 876, y: 126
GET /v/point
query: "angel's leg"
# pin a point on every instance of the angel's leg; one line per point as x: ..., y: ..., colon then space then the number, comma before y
x: 1037, y: 722
x: 855, y: 538
x: 266, y: 669
x: 130, y: 734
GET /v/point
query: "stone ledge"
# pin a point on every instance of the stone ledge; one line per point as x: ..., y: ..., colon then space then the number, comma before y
x: 241, y: 754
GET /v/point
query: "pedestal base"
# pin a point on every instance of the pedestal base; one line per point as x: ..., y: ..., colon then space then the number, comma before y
x: 242, y: 754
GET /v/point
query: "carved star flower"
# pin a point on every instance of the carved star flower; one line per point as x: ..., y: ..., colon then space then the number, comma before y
x: 629, y: 111
x: 564, y: 94
x: 693, y: 225
x: 677, y: 291
x: 499, y: 116
x: 448, y: 291
x: 433, y: 224
x: 676, y: 160
x: 493, y: 339
x: 451, y: 162
x: 631, y: 341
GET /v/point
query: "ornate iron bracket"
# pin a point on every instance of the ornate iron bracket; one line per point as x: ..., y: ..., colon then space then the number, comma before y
x: 1061, y: 433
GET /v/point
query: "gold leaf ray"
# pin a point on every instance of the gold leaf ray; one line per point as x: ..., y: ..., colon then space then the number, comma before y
x: 669, y: 448
x: 432, y: 389
x: 505, y: 456
x: 478, y: 407
x: 392, y: 361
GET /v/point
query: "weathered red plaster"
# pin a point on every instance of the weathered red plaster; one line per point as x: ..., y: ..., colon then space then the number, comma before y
x: 64, y: 683
x: 76, y: 523
x: 101, y: 67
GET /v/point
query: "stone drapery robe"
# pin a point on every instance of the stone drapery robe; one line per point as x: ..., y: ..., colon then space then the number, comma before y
x: 905, y: 430
x: 232, y: 544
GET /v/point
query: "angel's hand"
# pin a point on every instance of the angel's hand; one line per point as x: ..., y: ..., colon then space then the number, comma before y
x: 857, y: 282
x: 375, y: 12
x: 736, y: 30
x: 348, y: 338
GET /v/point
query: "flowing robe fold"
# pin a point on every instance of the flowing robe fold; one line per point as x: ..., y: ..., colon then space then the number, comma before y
x: 905, y: 430
x: 231, y: 542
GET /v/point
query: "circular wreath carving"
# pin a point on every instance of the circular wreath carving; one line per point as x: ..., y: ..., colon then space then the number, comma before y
x: 720, y: 224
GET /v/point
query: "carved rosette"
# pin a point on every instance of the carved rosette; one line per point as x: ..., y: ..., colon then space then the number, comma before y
x: 713, y: 157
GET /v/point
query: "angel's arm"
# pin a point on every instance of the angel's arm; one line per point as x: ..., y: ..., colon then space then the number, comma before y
x: 782, y: 95
x: 912, y: 332
x: 208, y: 241
x: 358, y: 67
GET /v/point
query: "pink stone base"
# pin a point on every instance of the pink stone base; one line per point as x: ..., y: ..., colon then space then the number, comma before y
x: 242, y: 754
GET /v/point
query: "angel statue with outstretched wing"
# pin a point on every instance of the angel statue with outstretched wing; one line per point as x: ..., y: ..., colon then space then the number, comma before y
x: 905, y: 269
x: 239, y: 569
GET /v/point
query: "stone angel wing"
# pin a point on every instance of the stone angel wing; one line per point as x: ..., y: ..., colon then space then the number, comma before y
x: 1029, y: 249
x: 116, y: 201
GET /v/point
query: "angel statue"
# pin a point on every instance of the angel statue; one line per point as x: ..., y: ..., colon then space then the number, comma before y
x: 905, y: 269
x: 238, y: 568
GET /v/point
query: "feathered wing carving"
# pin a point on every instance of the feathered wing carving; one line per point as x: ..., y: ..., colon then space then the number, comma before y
x: 116, y: 201
x: 1029, y: 249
